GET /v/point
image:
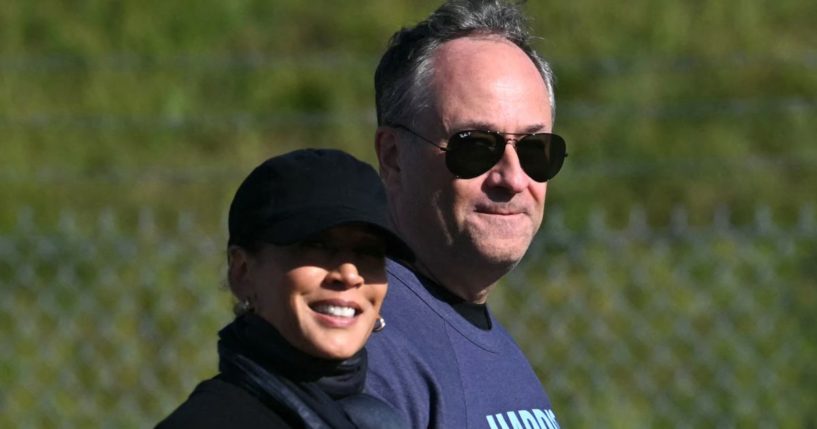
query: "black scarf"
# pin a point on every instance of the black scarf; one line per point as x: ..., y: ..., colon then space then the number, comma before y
x: 253, y: 355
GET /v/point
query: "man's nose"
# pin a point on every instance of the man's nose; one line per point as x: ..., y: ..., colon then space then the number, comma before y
x: 508, y: 172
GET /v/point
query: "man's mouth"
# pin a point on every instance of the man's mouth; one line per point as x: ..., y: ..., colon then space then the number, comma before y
x: 500, y: 209
x: 497, y: 211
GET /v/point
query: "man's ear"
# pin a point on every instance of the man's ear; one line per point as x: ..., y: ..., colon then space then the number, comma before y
x: 238, y: 272
x: 388, y: 157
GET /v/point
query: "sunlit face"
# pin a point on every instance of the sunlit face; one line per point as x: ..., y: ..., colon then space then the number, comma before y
x: 467, y: 232
x: 323, y: 294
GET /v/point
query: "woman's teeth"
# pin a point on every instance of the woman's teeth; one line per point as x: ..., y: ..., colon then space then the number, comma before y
x: 335, y: 310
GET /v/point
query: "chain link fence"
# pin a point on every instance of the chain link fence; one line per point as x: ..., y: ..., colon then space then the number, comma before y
x: 110, y: 319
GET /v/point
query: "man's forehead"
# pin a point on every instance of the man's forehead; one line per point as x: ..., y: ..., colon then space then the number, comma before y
x: 489, y: 85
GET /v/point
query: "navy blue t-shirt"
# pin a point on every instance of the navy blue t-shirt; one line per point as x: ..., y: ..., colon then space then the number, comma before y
x: 441, y: 371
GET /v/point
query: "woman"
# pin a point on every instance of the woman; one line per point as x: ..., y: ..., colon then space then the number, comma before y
x: 306, y: 255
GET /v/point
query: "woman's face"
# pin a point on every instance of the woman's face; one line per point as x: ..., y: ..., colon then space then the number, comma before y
x: 323, y: 294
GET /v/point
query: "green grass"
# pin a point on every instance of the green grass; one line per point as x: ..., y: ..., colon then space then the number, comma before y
x: 699, y: 104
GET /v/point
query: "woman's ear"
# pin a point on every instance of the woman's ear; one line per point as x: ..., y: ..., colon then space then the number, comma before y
x: 388, y: 157
x: 238, y: 272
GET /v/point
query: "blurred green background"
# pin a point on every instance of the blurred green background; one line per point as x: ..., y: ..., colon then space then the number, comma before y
x: 681, y: 230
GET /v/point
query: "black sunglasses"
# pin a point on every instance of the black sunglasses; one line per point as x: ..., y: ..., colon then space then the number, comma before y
x: 470, y: 153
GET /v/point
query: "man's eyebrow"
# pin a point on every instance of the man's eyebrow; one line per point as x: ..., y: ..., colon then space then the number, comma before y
x: 535, y: 128
x: 473, y: 125
x: 485, y: 126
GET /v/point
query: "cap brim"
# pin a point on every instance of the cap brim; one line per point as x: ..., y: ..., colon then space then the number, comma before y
x: 307, y: 224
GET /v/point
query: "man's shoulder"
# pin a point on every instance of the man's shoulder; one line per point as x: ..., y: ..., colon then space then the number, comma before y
x: 407, y: 296
x: 415, y: 318
x: 400, y: 273
x: 414, y: 329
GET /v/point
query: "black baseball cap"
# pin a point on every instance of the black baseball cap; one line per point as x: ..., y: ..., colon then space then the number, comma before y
x: 294, y: 196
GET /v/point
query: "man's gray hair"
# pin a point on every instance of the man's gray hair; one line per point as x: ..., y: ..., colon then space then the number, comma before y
x: 402, y: 79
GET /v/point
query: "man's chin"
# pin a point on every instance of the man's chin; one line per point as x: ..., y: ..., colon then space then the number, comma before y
x: 501, y: 257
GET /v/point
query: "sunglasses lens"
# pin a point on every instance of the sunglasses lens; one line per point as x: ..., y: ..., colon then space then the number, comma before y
x: 541, y: 155
x: 471, y: 153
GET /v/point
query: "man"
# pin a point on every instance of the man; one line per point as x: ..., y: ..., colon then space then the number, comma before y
x: 465, y: 108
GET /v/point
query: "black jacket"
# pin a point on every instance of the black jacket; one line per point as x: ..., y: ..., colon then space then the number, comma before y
x: 266, y: 383
x: 216, y: 403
